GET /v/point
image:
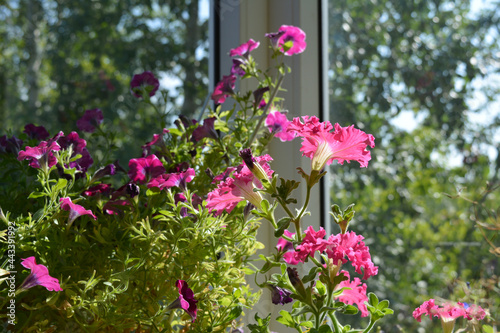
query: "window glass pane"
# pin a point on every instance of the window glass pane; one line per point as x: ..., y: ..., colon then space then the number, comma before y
x: 61, y: 58
x: 421, y: 77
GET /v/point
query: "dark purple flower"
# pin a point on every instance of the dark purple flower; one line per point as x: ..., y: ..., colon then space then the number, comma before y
x: 41, y: 156
x: 141, y: 170
x: 129, y: 190
x: 36, y: 132
x: 258, y: 95
x: 78, y: 146
x: 108, y: 170
x: 224, y: 88
x: 244, y: 49
x: 75, y: 210
x: 116, y: 207
x: 237, y: 67
x: 144, y: 83
x: 186, y: 298
x: 90, y: 120
x: 205, y: 131
x: 10, y: 145
x: 99, y: 189
x: 280, y: 295
x: 39, y: 276
x: 274, y: 38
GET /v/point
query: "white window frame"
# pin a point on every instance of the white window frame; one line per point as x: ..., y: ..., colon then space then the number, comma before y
x: 233, y: 22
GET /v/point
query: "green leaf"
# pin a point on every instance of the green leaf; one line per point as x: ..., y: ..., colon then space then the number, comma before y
x: 320, y: 287
x: 286, y: 319
x: 35, y: 195
x: 283, y: 224
x: 311, y: 275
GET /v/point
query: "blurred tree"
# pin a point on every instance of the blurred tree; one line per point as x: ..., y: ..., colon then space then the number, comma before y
x: 63, y: 57
x: 420, y: 59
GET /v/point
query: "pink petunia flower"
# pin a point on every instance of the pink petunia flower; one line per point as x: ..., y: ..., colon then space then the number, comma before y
x: 144, y: 82
x: 99, y: 189
x: 186, y: 300
x: 141, y: 170
x: 75, y: 210
x: 41, y: 156
x: 313, y: 242
x: 350, y: 247
x: 237, y: 67
x: 283, y: 244
x: 323, y: 146
x: 244, y: 49
x: 179, y: 179
x: 355, y: 295
x: 448, y: 313
x: 295, y: 35
x: 90, y: 120
x: 39, y: 276
x: 240, y: 186
x: 224, y: 89
x: 277, y: 123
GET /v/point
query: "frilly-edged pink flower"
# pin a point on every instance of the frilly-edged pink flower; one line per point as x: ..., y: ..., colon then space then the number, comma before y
x: 39, y: 276
x: 323, y: 146
x: 141, y: 170
x: 224, y: 88
x: 277, y: 123
x: 244, y: 49
x: 238, y: 187
x: 40, y: 156
x: 355, y: 295
x: 313, y: 242
x: 179, y: 179
x: 294, y: 34
x: 449, y: 312
x: 90, y: 120
x: 145, y: 81
x: 74, y: 210
x: 350, y: 247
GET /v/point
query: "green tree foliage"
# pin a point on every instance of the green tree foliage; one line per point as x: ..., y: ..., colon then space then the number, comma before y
x: 61, y: 58
x: 418, y: 57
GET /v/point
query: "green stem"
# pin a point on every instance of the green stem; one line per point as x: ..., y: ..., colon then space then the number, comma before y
x: 266, y: 109
x: 369, y: 327
x: 335, y: 322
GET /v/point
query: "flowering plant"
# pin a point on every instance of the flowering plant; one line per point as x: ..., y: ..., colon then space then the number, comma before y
x: 168, y: 245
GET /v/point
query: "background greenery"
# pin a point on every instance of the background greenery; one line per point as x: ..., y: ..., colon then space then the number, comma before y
x: 421, y: 61
x: 417, y: 58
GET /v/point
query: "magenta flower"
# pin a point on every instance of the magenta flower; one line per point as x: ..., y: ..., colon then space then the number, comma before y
x: 36, y: 132
x: 74, y: 210
x: 277, y: 123
x: 90, y: 120
x: 78, y: 146
x: 156, y: 141
x: 39, y: 276
x: 313, y: 242
x: 116, y: 207
x: 224, y: 89
x: 41, y: 156
x: 99, y: 189
x: 244, y: 49
x: 141, y: 170
x: 274, y: 38
x: 179, y: 179
x: 294, y: 35
x: 323, y: 146
x: 205, y: 131
x: 283, y: 244
x: 350, y: 247
x: 448, y: 313
x: 186, y: 300
x: 231, y: 191
x: 237, y: 67
x: 145, y: 82
x: 355, y: 295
